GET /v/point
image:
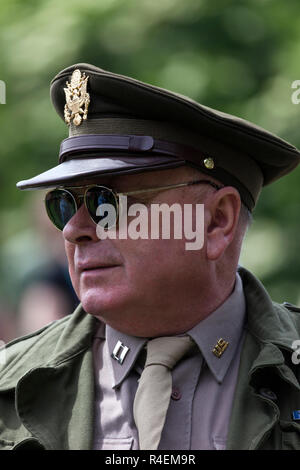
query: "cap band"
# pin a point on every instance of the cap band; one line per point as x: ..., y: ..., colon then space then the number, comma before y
x: 128, y: 143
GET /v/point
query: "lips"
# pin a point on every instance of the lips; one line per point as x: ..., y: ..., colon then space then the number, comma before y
x: 97, y: 268
x: 85, y: 267
x: 93, y: 258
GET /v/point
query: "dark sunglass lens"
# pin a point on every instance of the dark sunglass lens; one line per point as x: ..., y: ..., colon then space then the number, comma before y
x: 60, y: 207
x: 102, y: 206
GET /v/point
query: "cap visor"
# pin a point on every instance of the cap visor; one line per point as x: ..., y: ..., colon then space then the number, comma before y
x: 75, y: 169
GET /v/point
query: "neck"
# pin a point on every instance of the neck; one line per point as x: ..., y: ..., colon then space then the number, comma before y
x: 175, y: 315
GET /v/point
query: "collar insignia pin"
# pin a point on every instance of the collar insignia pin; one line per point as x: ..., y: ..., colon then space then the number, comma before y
x: 120, y: 352
x: 220, y: 347
x: 77, y: 98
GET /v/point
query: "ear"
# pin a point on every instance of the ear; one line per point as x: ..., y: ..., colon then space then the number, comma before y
x: 224, y: 208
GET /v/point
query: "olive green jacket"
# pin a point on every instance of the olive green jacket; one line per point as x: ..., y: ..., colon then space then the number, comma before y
x: 47, y: 382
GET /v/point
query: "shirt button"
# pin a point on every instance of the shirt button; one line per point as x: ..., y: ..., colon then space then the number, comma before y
x: 176, y: 394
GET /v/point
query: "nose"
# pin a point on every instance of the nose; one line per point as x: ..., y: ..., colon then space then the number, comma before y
x: 80, y: 228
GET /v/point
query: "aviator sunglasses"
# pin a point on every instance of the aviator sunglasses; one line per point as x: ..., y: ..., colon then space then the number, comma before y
x: 61, y: 203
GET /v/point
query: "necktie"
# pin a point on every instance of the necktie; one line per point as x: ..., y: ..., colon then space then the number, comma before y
x: 155, y: 387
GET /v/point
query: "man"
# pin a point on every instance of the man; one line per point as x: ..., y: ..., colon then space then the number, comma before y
x: 171, y: 348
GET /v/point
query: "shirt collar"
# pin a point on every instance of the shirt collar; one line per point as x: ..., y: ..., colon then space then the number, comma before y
x: 226, y: 322
x: 133, y: 345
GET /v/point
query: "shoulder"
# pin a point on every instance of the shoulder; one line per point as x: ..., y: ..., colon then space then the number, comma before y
x: 291, y: 308
x: 42, y: 340
x: 287, y: 310
x: 292, y: 312
x: 48, y: 346
x: 45, y: 333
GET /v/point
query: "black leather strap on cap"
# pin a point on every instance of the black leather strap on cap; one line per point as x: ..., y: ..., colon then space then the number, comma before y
x: 128, y: 143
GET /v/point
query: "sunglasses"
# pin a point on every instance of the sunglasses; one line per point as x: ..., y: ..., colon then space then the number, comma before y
x: 61, y: 204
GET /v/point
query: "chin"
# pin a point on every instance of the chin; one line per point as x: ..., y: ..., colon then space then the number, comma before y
x: 103, y: 303
x: 116, y: 310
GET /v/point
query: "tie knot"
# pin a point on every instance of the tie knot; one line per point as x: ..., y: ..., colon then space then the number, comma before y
x: 168, y: 350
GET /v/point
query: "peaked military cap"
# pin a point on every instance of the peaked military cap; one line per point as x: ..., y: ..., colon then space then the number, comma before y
x: 121, y: 125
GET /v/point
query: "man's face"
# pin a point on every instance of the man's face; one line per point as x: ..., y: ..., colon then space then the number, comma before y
x: 144, y: 287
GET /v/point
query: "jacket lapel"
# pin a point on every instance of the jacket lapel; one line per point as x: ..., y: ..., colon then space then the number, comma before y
x: 253, y: 416
x: 56, y: 404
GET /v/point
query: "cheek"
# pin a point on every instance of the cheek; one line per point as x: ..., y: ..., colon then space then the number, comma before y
x: 163, y: 276
x: 151, y: 264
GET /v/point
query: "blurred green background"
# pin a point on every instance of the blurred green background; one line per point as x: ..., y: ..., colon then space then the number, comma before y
x: 238, y: 56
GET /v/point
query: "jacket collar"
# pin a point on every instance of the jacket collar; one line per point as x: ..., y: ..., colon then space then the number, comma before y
x: 271, y: 330
x: 267, y: 321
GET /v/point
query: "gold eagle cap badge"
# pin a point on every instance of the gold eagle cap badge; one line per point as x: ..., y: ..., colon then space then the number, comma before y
x: 77, y: 98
